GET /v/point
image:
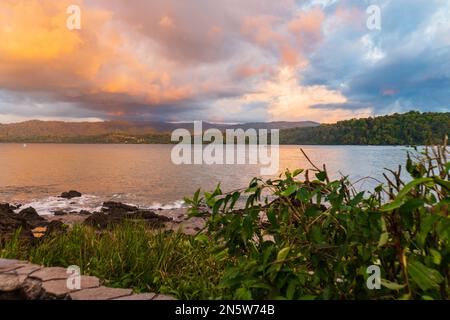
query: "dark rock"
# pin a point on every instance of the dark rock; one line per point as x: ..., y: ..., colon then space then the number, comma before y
x: 55, y: 226
x: 6, y: 207
x: 32, y: 217
x: 85, y: 213
x: 59, y: 213
x: 118, y: 206
x: 71, y: 194
x: 10, y: 223
x: 32, y: 289
x: 98, y: 220
x: 152, y: 219
x: 114, y: 213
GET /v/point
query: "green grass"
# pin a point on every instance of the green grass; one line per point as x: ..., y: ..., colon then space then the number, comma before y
x: 130, y: 256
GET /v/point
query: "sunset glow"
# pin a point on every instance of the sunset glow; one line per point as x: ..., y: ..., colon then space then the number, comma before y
x: 256, y: 60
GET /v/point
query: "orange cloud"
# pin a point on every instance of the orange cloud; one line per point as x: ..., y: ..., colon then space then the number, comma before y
x: 307, y: 27
x: 166, y: 22
x: 245, y: 70
x: 288, y: 101
x: 260, y: 29
x: 39, y: 53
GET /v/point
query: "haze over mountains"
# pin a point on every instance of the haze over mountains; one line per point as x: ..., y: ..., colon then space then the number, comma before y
x: 36, y: 128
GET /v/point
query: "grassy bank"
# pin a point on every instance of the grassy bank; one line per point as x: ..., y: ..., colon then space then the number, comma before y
x: 319, y: 239
x: 131, y: 256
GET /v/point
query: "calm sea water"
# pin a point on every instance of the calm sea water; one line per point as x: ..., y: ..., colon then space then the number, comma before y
x: 144, y: 174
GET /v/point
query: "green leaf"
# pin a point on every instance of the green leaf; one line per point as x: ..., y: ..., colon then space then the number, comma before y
x: 297, y: 172
x: 303, y: 195
x: 425, y: 227
x: 290, y: 190
x: 400, y: 199
x: 290, y: 293
x: 426, y: 278
x: 384, y: 235
x: 321, y: 176
x: 308, y: 297
x: 357, y: 199
x: 272, y: 217
x: 391, y: 285
x: 283, y: 253
x: 243, y: 294
x: 383, y: 239
x: 437, y: 258
x: 412, y: 185
x: 397, y: 203
x: 316, y: 235
x: 442, y: 183
x: 281, y: 257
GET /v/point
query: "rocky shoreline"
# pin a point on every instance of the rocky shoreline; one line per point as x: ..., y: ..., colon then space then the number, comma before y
x: 33, y: 226
x: 23, y: 280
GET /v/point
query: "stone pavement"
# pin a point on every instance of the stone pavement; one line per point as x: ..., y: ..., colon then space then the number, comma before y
x: 26, y: 281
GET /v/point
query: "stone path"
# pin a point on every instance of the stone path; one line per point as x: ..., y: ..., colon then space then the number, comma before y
x: 23, y: 280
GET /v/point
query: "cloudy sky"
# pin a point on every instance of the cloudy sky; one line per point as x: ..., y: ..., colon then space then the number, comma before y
x: 222, y: 60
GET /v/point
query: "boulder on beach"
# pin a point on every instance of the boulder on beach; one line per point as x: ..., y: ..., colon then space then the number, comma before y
x: 10, y: 222
x: 70, y: 194
x: 110, y: 206
x: 114, y: 213
x: 28, y: 221
x: 32, y: 217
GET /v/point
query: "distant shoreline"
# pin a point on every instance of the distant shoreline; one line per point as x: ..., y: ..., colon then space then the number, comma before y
x: 206, y: 143
x: 412, y: 128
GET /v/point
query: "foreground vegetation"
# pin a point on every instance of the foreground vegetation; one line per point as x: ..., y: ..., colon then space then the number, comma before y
x: 412, y: 128
x: 131, y: 256
x: 289, y: 238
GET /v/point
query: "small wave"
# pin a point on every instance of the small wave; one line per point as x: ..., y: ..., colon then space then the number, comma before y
x: 50, y: 205
x: 179, y: 204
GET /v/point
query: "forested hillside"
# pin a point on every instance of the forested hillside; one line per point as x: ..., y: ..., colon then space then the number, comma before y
x: 412, y: 128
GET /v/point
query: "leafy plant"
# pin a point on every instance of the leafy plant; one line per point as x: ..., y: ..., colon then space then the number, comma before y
x: 294, y: 238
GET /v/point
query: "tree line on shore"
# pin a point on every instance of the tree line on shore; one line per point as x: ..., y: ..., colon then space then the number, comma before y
x: 412, y: 128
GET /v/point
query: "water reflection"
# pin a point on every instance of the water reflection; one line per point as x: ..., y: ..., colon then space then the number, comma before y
x: 144, y: 174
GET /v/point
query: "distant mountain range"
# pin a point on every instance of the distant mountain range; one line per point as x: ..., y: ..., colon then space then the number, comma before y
x: 412, y: 128
x: 117, y: 131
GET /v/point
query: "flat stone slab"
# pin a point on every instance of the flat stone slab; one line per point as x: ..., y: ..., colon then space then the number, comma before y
x: 38, y: 282
x: 54, y: 273
x: 8, y: 262
x: 27, y: 269
x: 101, y: 293
x: 59, y: 288
x: 10, y: 282
x: 7, y: 265
x: 140, y: 297
x: 163, y: 297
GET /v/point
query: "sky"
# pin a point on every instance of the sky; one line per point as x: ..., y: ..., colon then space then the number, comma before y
x: 223, y: 60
